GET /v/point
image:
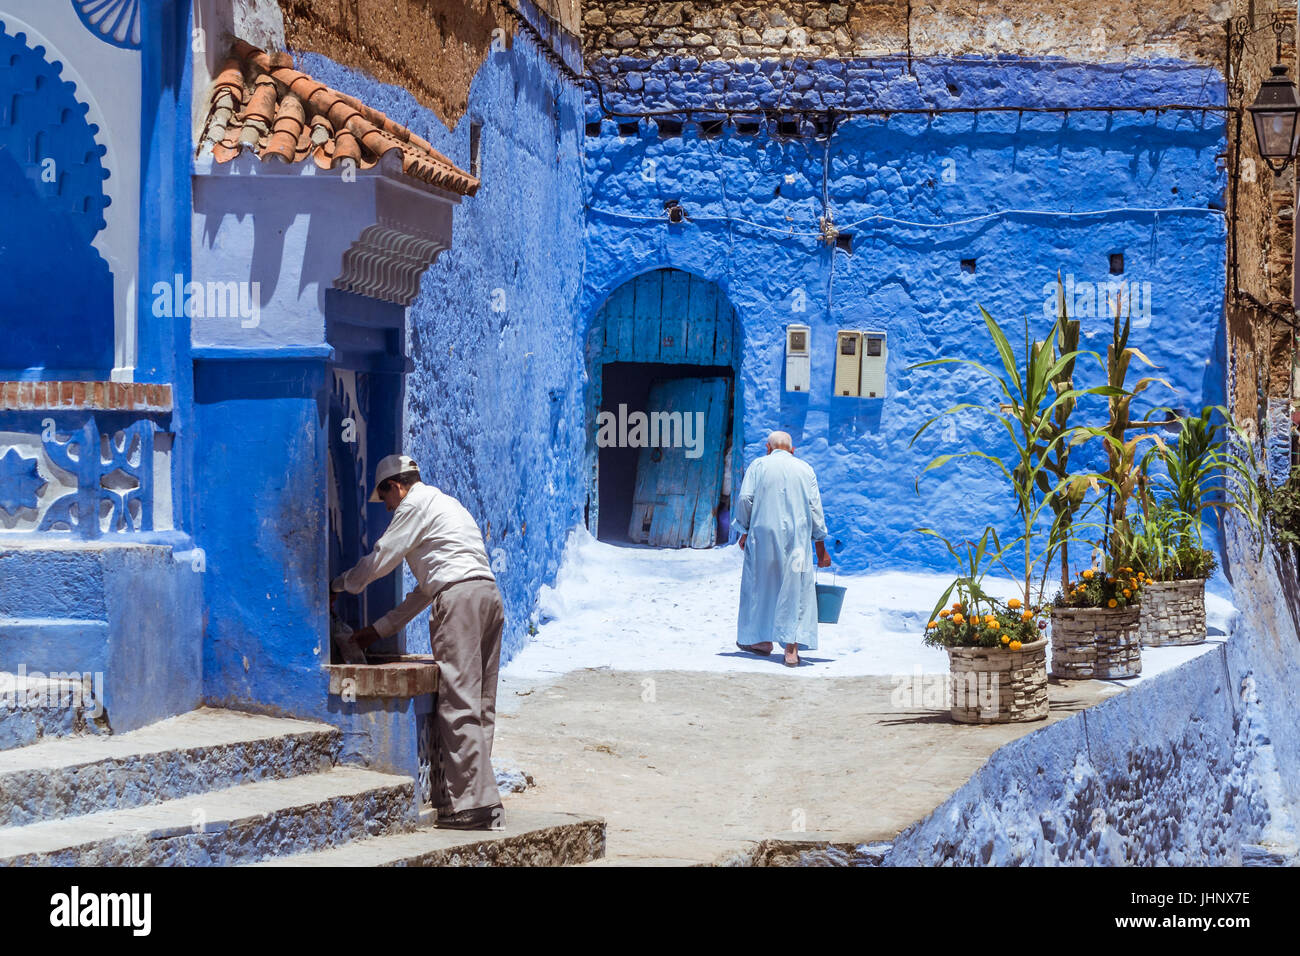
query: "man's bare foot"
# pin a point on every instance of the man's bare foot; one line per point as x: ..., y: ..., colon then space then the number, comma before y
x: 792, y: 655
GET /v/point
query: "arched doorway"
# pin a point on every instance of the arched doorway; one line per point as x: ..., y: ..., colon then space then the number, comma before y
x: 663, y: 412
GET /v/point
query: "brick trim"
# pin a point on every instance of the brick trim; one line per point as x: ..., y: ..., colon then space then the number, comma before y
x: 76, y: 396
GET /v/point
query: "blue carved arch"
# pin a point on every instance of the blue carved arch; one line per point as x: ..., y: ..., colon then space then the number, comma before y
x: 113, y: 21
x: 58, y: 313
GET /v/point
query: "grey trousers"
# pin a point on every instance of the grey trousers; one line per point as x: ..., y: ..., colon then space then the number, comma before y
x: 465, y: 634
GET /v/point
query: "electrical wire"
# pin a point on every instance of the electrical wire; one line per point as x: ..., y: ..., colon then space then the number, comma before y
x: 1063, y: 214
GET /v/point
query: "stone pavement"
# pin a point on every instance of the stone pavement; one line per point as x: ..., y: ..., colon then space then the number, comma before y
x: 694, y: 767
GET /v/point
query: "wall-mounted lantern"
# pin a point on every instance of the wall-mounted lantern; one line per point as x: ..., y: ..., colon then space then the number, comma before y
x: 1275, y: 113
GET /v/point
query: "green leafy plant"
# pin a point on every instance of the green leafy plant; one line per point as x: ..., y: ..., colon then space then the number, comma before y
x: 976, y: 618
x: 1126, y: 469
x: 1282, y: 505
x: 1036, y: 396
x: 1055, y: 452
x: 1166, y: 546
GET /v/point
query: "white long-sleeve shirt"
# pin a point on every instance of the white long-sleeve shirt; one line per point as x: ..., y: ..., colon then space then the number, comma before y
x: 441, y: 544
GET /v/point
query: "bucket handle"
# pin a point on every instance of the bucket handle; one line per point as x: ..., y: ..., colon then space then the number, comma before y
x: 832, y: 570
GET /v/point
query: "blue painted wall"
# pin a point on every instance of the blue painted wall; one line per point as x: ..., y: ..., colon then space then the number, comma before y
x: 494, y: 406
x: 260, y: 519
x: 753, y: 200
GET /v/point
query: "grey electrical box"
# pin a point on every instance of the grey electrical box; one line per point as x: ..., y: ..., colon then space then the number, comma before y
x: 798, y: 358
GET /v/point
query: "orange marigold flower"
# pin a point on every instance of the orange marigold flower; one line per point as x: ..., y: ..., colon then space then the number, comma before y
x: 958, y: 619
x: 1005, y: 639
x: 1014, y: 604
x: 1112, y: 603
x: 1128, y: 593
x: 1088, y: 575
x: 945, y: 612
x: 1027, y: 616
x: 994, y: 626
x: 932, y: 624
x: 1014, y: 645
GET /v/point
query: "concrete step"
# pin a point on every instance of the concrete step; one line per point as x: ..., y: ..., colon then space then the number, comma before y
x: 202, y: 750
x: 242, y: 824
x: 41, y: 707
x: 530, y: 838
x: 639, y: 861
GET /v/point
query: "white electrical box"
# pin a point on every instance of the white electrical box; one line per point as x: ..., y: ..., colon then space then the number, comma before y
x: 798, y: 358
x: 875, y: 353
x: 848, y: 363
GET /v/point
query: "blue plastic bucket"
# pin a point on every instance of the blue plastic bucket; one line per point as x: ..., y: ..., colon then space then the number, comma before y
x: 830, y: 599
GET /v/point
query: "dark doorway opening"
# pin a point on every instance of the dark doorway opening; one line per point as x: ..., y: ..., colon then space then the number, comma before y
x: 628, y: 383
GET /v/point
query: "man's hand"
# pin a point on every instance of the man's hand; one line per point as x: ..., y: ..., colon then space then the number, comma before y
x: 823, y: 556
x: 365, y: 637
x: 741, y: 542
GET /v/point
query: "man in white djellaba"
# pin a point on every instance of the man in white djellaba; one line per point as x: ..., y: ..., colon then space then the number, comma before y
x: 779, y: 516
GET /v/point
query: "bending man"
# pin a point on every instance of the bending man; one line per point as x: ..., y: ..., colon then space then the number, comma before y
x: 779, y: 516
x: 444, y: 549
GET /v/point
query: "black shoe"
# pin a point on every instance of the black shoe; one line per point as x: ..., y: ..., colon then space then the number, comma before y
x: 478, y: 818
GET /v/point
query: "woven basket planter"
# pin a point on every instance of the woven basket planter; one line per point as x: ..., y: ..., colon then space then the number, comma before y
x: 1173, y: 612
x: 994, y: 685
x: 1090, y: 642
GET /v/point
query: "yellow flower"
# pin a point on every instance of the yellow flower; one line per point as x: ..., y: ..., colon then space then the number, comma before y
x: 1014, y: 645
x: 1088, y: 575
x: 1005, y: 639
x: 1027, y: 616
x: 932, y: 624
x: 1128, y: 593
x: 989, y: 619
x: 1111, y: 603
x: 956, y: 605
x: 958, y: 619
x: 945, y: 612
x: 994, y: 625
x: 1014, y: 603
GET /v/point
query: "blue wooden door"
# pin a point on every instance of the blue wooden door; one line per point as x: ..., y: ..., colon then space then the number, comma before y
x: 676, y: 498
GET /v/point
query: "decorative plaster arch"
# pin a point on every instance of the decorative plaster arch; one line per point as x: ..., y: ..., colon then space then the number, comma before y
x: 117, y: 130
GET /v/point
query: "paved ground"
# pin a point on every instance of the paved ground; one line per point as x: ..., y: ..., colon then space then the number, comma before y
x: 693, y: 766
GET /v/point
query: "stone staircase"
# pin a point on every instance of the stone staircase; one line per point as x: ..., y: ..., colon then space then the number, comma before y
x: 219, y: 787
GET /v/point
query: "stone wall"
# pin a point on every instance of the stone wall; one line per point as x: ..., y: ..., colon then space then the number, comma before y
x: 734, y: 29
x: 1260, y: 338
x: 432, y: 48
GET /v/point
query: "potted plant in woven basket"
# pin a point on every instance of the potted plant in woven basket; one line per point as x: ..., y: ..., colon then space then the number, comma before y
x: 1198, y: 476
x: 1174, y: 570
x: 997, y: 652
x: 1096, y: 622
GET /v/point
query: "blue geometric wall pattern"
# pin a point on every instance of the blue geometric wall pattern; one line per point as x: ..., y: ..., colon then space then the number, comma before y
x: 60, y: 316
x: 113, y: 21
x: 19, y: 482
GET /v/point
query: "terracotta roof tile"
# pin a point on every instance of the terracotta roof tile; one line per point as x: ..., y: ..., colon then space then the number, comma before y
x: 261, y: 103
